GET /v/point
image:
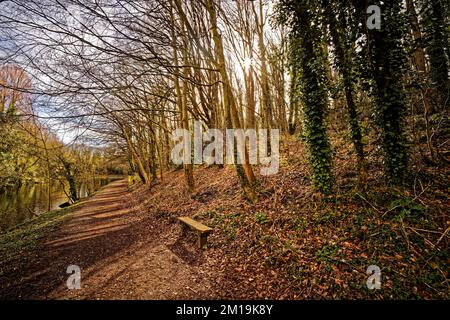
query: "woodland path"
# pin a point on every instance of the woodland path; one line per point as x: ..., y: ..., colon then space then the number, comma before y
x: 121, y: 254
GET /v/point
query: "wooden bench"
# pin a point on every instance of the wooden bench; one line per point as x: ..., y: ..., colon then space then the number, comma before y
x: 202, y: 230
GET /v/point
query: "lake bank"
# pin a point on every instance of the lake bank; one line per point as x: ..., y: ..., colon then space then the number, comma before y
x: 24, y: 239
x: 18, y: 205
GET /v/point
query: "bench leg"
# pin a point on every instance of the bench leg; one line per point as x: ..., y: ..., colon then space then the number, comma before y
x: 202, y: 238
x: 184, y: 229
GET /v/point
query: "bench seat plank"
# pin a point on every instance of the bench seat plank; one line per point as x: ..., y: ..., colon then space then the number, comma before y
x: 195, y: 224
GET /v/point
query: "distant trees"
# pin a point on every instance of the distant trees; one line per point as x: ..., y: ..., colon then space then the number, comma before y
x: 14, y: 99
x: 30, y: 151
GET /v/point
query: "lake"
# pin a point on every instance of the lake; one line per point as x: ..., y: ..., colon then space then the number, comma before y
x: 20, y: 204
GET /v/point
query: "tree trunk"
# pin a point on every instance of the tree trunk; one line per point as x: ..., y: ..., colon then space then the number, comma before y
x: 182, y: 98
x: 244, y: 170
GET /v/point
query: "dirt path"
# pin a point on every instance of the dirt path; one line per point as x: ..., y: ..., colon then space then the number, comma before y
x: 122, y: 252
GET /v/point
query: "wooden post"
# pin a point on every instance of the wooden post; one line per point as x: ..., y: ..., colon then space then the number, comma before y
x: 184, y: 229
x: 202, y: 239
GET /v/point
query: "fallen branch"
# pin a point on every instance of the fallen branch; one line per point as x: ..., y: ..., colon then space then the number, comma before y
x: 442, y: 237
x: 377, y: 210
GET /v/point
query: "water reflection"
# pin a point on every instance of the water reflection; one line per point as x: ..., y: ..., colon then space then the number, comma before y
x: 20, y: 204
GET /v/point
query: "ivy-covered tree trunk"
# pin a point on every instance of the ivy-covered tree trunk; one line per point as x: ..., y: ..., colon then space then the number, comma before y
x: 308, y: 56
x: 343, y: 60
x: 386, y: 56
x: 437, y: 48
x: 182, y: 99
x: 293, y: 101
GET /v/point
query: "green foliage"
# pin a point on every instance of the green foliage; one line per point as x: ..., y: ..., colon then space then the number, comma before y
x: 261, y: 218
x: 296, y: 271
x: 300, y: 223
x: 328, y: 216
x: 231, y: 225
x: 15, y: 166
x: 328, y: 253
x: 406, y: 208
